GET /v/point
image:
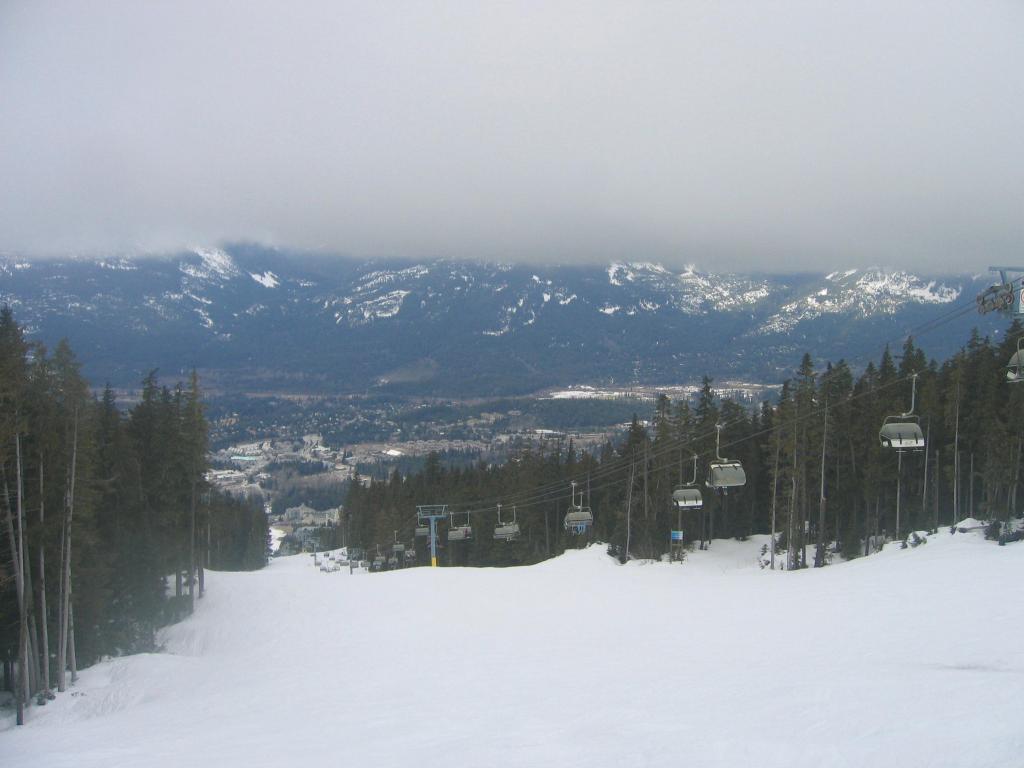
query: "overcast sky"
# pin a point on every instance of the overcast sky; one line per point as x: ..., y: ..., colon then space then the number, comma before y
x: 745, y: 135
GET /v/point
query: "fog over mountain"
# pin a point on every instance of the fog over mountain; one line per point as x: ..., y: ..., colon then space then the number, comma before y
x: 751, y: 136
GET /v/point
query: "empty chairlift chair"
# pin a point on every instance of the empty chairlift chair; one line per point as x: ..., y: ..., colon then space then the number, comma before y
x: 724, y: 474
x: 688, y: 496
x: 460, y: 532
x: 398, y: 548
x: 1015, y: 368
x: 422, y: 531
x: 903, y: 432
x: 579, y: 519
x: 506, y: 531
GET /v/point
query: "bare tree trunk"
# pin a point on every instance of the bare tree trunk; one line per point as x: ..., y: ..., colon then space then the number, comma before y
x: 192, y: 552
x: 72, y: 656
x: 204, y: 558
x: 61, y: 615
x: 25, y: 648
x: 45, y: 651
x: 69, y: 511
x: 794, y: 557
x: 646, y: 496
x: 34, y: 669
x: 924, y: 485
x: 970, y: 487
x: 838, y: 545
x: 819, y: 552
x: 775, y: 487
x: 956, y: 460
x: 629, y: 502
x: 13, y: 534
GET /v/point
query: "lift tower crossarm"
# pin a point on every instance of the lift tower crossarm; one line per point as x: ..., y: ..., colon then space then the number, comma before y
x: 1007, y: 295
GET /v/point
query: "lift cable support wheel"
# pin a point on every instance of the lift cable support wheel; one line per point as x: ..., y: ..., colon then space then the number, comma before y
x: 1007, y: 295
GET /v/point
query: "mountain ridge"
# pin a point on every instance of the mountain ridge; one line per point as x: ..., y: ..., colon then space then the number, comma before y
x: 253, y: 317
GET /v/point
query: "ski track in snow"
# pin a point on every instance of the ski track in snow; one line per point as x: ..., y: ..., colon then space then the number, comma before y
x: 905, y: 658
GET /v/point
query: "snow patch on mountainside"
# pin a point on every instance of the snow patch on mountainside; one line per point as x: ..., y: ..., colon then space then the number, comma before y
x: 621, y: 273
x: 364, y: 310
x: 690, y: 291
x: 215, y: 263
x: 373, y: 280
x: 872, y: 292
x: 121, y: 264
x: 268, y: 279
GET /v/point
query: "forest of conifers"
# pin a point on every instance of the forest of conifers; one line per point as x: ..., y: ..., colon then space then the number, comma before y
x: 825, y: 422
x: 107, y: 521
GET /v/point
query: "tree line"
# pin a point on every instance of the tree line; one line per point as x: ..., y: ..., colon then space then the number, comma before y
x: 812, y: 457
x: 109, y: 523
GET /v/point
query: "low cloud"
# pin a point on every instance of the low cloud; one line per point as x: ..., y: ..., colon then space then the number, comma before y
x: 751, y: 136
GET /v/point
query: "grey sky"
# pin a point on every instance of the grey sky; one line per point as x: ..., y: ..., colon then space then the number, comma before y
x: 746, y: 135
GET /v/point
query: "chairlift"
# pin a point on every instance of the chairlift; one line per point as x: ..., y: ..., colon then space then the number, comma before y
x: 688, y: 496
x: 506, y: 531
x: 422, y: 531
x: 1015, y: 368
x: 579, y: 518
x: 903, y: 431
x: 398, y: 547
x: 460, y: 532
x: 724, y: 474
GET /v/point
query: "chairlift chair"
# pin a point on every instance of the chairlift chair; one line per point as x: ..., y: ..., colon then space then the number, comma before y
x: 398, y: 547
x: 903, y: 432
x: 460, y: 532
x: 724, y: 474
x: 579, y: 518
x: 1015, y: 368
x: 688, y: 496
x: 506, y: 531
x: 422, y: 531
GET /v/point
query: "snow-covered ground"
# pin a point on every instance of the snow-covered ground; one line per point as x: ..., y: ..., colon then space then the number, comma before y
x: 906, y: 658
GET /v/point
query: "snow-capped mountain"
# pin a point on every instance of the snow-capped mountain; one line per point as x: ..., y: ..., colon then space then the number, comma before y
x: 861, y: 294
x: 251, y: 317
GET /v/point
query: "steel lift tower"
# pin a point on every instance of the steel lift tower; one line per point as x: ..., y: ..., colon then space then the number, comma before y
x: 431, y: 513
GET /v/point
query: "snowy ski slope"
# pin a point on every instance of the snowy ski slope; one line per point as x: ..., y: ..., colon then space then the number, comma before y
x: 906, y: 658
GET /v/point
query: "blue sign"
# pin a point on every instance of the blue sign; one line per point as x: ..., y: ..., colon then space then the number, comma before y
x: 677, y: 535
